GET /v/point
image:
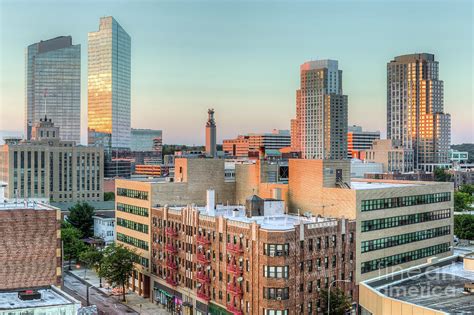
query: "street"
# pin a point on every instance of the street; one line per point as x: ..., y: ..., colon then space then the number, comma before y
x: 105, y: 304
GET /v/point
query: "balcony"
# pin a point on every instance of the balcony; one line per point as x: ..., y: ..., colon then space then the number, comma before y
x: 234, y: 310
x: 171, y: 264
x: 202, y: 258
x: 170, y: 248
x: 202, y: 240
x: 235, y: 248
x: 171, y: 232
x: 203, y: 296
x: 234, y: 289
x: 201, y: 276
x: 171, y: 281
x: 234, y: 269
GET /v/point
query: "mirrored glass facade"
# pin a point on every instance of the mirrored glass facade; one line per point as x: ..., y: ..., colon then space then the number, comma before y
x: 53, y: 86
x: 109, y: 83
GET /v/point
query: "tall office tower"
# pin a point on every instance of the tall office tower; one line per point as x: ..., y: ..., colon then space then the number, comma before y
x: 109, y: 84
x: 211, y: 134
x: 53, y: 86
x: 320, y: 130
x: 415, y: 114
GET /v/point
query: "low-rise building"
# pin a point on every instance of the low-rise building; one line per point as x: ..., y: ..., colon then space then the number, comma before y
x: 251, y: 144
x: 38, y: 300
x: 460, y: 157
x: 438, y: 287
x: 394, y: 157
x: 104, y: 226
x: 359, y: 168
x: 359, y: 140
x: 47, y: 168
x: 30, y: 245
x: 460, y: 176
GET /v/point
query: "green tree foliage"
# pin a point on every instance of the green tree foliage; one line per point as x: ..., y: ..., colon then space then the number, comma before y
x: 172, y: 148
x: 72, y: 244
x: 468, y: 189
x: 440, y: 175
x: 462, y: 201
x: 340, y: 302
x: 109, y: 196
x: 117, y: 266
x: 93, y: 258
x: 80, y: 217
x: 464, y: 226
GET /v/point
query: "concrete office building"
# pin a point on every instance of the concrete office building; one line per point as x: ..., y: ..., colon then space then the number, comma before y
x: 394, y: 158
x: 211, y: 149
x: 109, y: 73
x: 320, y: 128
x: 53, y: 86
x: 30, y: 245
x: 48, y: 168
x: 251, y: 144
x: 359, y: 140
x: 415, y: 110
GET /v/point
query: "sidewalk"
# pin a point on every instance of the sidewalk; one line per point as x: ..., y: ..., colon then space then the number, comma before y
x: 134, y: 301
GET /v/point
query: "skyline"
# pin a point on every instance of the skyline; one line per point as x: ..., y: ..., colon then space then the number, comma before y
x: 180, y: 71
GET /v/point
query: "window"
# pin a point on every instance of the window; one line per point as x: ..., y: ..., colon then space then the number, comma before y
x: 132, y: 225
x: 384, y: 262
x: 132, y: 241
x: 275, y: 271
x: 386, y: 223
x: 132, y: 209
x: 276, y: 249
x: 275, y: 312
x: 405, y: 201
x: 396, y: 240
x: 131, y: 193
x: 276, y: 293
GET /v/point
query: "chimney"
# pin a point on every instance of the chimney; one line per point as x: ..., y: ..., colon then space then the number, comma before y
x: 210, y: 201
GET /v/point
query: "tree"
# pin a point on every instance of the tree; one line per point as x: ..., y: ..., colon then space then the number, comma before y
x: 464, y: 226
x: 462, y: 201
x: 72, y: 244
x: 80, y: 216
x: 440, y: 175
x: 109, y: 196
x: 117, y: 266
x: 93, y: 258
x: 340, y: 302
x: 468, y: 189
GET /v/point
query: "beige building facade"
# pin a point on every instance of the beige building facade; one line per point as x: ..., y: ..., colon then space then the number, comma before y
x: 394, y: 158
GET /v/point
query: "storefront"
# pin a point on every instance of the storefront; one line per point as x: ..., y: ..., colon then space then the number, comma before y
x: 169, y: 298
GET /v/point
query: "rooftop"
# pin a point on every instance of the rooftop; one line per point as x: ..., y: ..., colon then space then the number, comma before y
x: 361, y: 185
x: 49, y: 297
x: 271, y: 222
x: 105, y: 215
x: 25, y: 205
x: 98, y: 205
x: 437, y: 286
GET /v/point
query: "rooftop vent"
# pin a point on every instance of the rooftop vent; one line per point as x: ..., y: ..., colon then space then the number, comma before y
x: 29, y: 295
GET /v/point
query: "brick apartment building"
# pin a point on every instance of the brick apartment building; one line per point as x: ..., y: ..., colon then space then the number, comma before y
x: 30, y: 245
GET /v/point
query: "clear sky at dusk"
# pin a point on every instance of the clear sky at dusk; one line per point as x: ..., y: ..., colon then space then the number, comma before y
x: 243, y: 57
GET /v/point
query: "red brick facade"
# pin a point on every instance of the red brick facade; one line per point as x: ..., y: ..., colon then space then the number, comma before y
x: 231, y: 263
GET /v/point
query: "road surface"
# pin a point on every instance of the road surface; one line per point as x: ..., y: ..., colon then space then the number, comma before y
x: 106, y: 305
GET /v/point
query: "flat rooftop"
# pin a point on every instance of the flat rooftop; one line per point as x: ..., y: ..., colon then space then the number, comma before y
x: 98, y: 205
x: 361, y: 185
x: 271, y: 222
x: 439, y: 288
x: 26, y: 205
x: 49, y: 297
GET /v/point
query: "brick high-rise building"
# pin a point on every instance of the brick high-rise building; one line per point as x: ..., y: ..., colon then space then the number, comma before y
x: 30, y: 245
x: 415, y: 109
x: 320, y: 128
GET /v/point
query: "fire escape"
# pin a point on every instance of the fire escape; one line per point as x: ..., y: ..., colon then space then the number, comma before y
x: 204, y: 268
x: 171, y: 259
x: 234, y: 288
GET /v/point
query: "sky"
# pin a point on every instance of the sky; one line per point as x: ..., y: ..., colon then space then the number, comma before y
x: 242, y: 58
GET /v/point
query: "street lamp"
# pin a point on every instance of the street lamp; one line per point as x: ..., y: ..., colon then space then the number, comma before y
x: 329, y: 292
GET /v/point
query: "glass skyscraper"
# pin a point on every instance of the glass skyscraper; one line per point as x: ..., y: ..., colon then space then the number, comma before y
x: 415, y: 111
x: 53, y: 86
x: 109, y: 83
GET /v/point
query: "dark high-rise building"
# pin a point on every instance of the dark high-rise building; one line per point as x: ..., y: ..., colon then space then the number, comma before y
x: 53, y: 86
